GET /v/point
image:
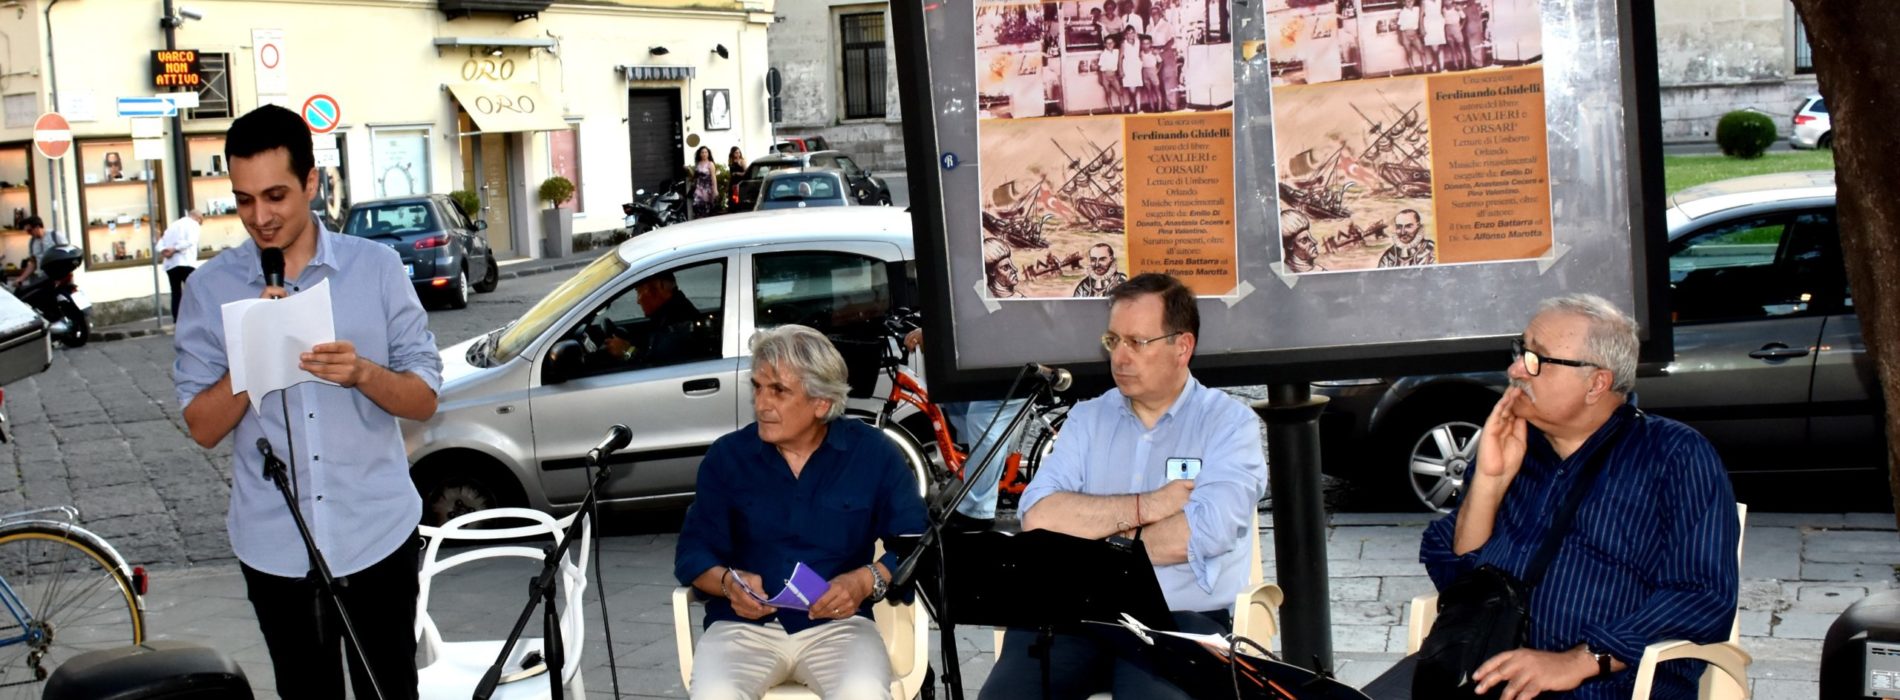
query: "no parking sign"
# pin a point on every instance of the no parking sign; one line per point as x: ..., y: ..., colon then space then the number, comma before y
x: 322, y: 114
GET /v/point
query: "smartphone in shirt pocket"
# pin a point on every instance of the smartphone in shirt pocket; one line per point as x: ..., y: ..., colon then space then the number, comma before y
x: 1183, y: 468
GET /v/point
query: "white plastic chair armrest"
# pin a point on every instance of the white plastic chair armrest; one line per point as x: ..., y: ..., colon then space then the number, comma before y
x: 683, y: 633
x: 1255, y: 610
x: 1418, y: 621
x: 997, y: 651
x: 1728, y: 656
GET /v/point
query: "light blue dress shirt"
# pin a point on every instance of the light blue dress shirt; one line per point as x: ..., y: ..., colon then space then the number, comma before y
x: 350, y: 469
x: 1104, y: 450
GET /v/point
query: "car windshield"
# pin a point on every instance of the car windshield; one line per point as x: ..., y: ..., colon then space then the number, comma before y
x: 798, y: 188
x: 758, y: 170
x: 518, y: 336
x: 391, y: 220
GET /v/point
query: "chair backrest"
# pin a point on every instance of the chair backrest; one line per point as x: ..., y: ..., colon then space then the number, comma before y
x: 474, y: 527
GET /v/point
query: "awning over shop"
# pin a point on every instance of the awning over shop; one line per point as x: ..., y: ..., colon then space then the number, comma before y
x: 507, y: 107
x: 649, y: 72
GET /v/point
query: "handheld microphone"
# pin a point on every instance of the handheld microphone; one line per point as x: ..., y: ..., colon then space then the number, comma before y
x: 272, y: 260
x: 616, y: 439
x: 1057, y: 378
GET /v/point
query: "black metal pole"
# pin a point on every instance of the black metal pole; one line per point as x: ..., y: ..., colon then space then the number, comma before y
x: 181, y: 157
x: 1299, y: 522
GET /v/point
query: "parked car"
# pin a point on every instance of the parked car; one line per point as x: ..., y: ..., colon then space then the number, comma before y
x: 865, y: 187
x: 800, y: 144
x: 440, y: 247
x: 1812, y: 128
x: 1769, y: 361
x: 520, y: 406
x: 804, y: 187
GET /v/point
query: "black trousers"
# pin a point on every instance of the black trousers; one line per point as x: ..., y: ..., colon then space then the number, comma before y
x: 177, y: 276
x: 304, y: 633
x: 1396, y: 682
x: 1082, y: 664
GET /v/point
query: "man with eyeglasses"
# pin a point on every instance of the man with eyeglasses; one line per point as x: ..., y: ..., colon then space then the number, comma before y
x: 1650, y: 555
x: 1160, y: 459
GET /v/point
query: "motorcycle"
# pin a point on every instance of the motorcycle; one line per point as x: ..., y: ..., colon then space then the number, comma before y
x: 651, y: 210
x: 57, y: 298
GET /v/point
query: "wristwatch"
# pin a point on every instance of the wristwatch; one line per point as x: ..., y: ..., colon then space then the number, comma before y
x: 879, y: 586
x: 1603, y: 662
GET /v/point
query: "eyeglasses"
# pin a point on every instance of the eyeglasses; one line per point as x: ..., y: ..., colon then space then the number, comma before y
x: 1110, y: 341
x: 1534, y: 362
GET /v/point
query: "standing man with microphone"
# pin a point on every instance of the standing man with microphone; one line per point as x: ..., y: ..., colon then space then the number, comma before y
x: 347, y: 464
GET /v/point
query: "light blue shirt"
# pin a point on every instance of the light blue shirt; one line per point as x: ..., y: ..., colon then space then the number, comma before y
x: 1104, y: 450
x: 350, y: 469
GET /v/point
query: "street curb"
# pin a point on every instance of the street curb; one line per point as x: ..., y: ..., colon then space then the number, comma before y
x: 123, y: 333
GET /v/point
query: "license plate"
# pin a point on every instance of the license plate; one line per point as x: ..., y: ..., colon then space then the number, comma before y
x: 411, y: 269
x: 80, y: 300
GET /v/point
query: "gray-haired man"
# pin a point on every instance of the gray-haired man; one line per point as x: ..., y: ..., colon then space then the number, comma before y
x: 797, y: 486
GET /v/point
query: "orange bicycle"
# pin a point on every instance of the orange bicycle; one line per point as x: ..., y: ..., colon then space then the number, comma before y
x: 908, y: 415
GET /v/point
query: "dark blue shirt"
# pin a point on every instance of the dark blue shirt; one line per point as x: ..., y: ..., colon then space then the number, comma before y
x: 1650, y: 557
x: 751, y: 514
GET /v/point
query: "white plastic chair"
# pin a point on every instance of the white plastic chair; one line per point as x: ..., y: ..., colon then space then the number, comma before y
x: 1725, y: 679
x: 452, y: 669
x: 905, y: 628
x: 1255, y: 608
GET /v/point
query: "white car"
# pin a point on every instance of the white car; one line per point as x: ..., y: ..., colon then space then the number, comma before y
x: 1812, y: 128
x: 520, y: 406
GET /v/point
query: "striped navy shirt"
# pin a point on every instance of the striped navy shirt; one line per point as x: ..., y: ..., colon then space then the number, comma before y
x: 1650, y: 557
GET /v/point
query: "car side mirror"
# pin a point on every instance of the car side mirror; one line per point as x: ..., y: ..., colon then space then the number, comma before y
x: 481, y: 224
x: 564, y: 361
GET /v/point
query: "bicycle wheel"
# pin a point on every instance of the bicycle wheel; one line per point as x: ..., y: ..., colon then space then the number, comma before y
x: 64, y: 597
x: 1043, y: 442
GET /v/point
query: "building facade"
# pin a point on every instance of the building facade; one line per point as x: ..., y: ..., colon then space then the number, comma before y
x: 1717, y: 56
x: 839, y: 71
x: 430, y: 96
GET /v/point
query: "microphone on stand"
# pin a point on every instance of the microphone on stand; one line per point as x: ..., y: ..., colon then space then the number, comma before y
x: 1057, y: 378
x: 617, y: 439
x: 272, y: 260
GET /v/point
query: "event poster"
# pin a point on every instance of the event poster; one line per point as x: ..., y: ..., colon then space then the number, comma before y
x: 1408, y: 132
x: 1105, y: 131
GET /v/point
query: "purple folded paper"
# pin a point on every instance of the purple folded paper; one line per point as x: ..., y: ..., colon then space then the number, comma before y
x: 801, y: 590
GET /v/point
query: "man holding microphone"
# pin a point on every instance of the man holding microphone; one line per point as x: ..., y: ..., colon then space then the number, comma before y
x: 347, y: 464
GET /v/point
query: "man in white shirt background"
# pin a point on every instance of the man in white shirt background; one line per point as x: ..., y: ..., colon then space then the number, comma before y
x: 178, y: 251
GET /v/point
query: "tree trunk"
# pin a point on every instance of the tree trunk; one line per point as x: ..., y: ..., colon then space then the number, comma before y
x: 1856, y: 46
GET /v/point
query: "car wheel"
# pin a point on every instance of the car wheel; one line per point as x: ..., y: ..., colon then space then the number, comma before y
x: 457, y: 294
x: 453, y: 485
x: 1437, y: 448
x: 491, y: 279
x: 1826, y: 141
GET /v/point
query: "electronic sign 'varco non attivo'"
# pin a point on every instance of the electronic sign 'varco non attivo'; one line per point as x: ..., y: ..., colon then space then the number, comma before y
x: 176, y: 68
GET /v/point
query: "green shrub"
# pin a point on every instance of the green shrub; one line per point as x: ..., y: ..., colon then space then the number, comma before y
x: 470, y: 203
x: 556, y: 190
x: 1745, y: 133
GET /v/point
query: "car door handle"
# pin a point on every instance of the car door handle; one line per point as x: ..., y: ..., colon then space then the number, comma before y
x: 700, y: 387
x: 1777, y: 351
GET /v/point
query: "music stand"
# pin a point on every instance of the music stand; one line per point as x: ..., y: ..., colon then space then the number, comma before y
x: 1202, y: 672
x: 994, y: 580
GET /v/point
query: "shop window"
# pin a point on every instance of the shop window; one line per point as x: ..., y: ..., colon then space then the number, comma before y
x: 863, y: 39
x: 399, y: 160
x: 564, y: 156
x: 214, y: 97
x: 16, y: 202
x: 211, y: 195
x: 114, y: 203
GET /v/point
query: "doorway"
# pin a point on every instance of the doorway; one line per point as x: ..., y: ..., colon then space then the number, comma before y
x: 487, y: 161
x: 656, y: 143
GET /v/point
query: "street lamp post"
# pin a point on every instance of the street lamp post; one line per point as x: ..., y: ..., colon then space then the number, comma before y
x: 181, y: 158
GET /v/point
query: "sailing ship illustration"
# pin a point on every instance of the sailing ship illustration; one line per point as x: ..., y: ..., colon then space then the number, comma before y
x: 1398, y: 153
x: 1015, y: 219
x: 1094, y: 187
x: 1311, y: 185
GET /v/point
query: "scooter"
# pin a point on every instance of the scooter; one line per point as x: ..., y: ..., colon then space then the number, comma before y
x: 651, y: 210
x: 53, y: 293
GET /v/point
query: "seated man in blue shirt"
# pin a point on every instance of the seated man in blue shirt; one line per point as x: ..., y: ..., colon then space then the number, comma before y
x: 1109, y: 476
x: 797, y: 485
x: 1651, y: 553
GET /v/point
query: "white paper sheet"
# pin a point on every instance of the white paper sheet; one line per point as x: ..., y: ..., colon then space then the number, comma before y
x: 264, y: 339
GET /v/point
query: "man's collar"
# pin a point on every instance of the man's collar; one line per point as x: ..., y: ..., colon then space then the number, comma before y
x: 321, y: 258
x: 1188, y: 390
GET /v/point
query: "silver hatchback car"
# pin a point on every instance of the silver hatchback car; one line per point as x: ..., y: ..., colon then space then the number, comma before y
x: 652, y: 335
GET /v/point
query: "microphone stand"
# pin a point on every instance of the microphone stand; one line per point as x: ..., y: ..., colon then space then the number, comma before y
x: 541, y: 587
x: 907, y: 569
x: 278, y: 473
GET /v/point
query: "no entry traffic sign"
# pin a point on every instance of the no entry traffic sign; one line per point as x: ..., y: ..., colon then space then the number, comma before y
x: 322, y: 113
x: 52, y: 135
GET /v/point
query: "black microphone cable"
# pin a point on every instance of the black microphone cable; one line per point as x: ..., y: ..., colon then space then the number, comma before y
x: 600, y: 590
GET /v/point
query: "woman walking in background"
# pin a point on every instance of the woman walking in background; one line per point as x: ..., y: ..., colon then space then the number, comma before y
x: 705, y: 183
x: 735, y: 171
